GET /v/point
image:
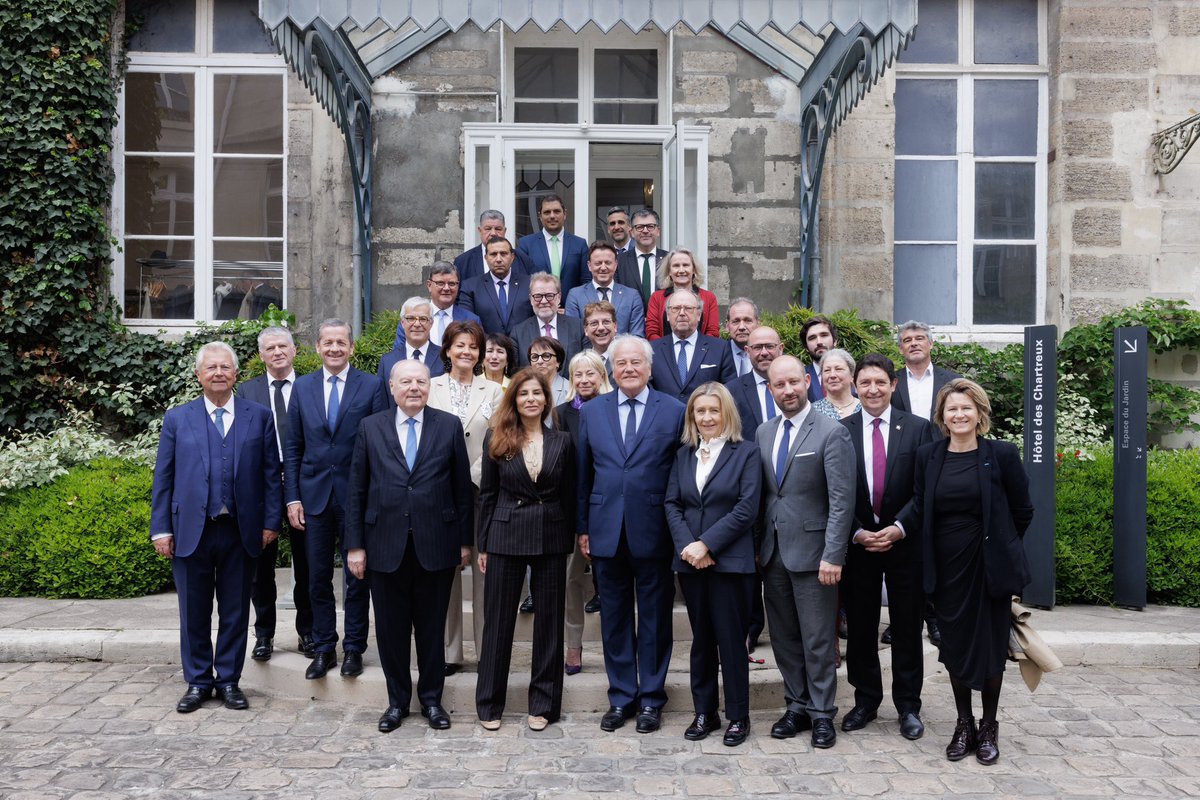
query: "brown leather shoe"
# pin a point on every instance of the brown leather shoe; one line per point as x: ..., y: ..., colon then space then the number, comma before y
x: 987, y: 749
x: 963, y: 742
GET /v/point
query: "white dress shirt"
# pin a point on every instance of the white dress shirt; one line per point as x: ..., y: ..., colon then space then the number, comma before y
x: 623, y: 408
x: 869, y: 444
x: 553, y: 323
x: 920, y: 391
x: 713, y: 446
x: 402, y: 428
x: 286, y: 389
x: 326, y: 386
x: 797, y: 420
x: 212, y: 407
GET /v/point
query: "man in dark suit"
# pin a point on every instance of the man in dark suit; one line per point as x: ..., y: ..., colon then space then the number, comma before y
x: 627, y: 442
x: 273, y: 389
x: 416, y: 320
x: 819, y: 335
x: 498, y: 298
x: 917, y: 389
x: 618, y: 229
x: 808, y: 508
x: 409, y: 529
x: 602, y: 262
x: 323, y: 418
x: 544, y: 297
x: 885, y: 447
x: 687, y: 358
x: 553, y: 249
x: 443, y: 284
x: 471, y: 263
x: 215, y: 502
x: 637, y: 267
x: 741, y: 322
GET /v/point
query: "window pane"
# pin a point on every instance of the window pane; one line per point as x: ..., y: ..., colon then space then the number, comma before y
x: 160, y: 112
x: 247, y: 277
x: 1006, y: 118
x: 553, y: 113
x: 159, y: 279
x: 162, y: 26
x: 1004, y: 201
x: 627, y: 73
x: 483, y: 183
x: 1006, y: 31
x: 546, y: 72
x: 925, y: 283
x: 159, y: 196
x: 248, y: 114
x: 936, y: 40
x: 926, y: 201
x: 626, y: 114
x: 247, y: 197
x: 926, y: 118
x: 237, y: 29
x: 1003, y: 284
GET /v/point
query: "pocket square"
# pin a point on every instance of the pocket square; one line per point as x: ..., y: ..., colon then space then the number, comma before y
x: 802, y: 455
x: 708, y: 366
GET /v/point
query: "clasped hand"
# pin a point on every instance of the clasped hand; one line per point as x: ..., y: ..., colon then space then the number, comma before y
x: 697, y: 555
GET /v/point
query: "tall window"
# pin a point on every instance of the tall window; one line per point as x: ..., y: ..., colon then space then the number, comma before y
x: 200, y: 198
x: 971, y: 140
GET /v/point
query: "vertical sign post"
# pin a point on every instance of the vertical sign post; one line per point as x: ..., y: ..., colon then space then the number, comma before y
x: 1041, y: 393
x: 1129, y: 468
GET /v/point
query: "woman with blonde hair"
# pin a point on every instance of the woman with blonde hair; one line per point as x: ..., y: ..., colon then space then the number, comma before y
x: 681, y: 269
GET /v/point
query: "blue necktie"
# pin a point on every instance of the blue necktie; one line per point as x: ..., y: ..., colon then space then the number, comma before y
x: 410, y: 444
x: 630, y: 423
x: 781, y: 458
x: 682, y: 362
x: 503, y: 300
x: 771, y: 410
x: 220, y: 412
x: 331, y: 414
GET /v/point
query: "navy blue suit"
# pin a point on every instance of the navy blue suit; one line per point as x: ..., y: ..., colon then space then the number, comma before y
x: 621, y: 493
x: 430, y: 357
x: 709, y: 360
x: 478, y: 296
x: 748, y: 399
x: 316, y: 468
x: 193, y: 479
x: 457, y: 314
x: 573, y: 251
x: 470, y: 263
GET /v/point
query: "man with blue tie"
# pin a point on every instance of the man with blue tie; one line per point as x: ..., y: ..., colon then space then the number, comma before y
x: 627, y: 443
x: 553, y: 249
x: 602, y: 262
x: 471, y: 263
x: 215, y: 502
x: 742, y: 319
x: 323, y: 418
x: 416, y: 320
x: 499, y: 297
x: 687, y: 358
x: 443, y: 284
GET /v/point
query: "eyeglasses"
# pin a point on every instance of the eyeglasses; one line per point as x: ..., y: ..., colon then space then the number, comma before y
x: 542, y: 297
x: 645, y: 226
x: 762, y: 348
x: 413, y: 320
x: 683, y: 309
x: 445, y: 284
x: 535, y: 357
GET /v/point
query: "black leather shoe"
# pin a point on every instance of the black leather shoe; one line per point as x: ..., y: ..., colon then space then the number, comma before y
x: 701, y: 727
x: 452, y: 669
x: 911, y: 727
x: 649, y: 719
x: 593, y: 605
x: 352, y: 665
x: 232, y: 697
x: 439, y: 720
x: 886, y: 638
x: 791, y: 723
x: 858, y: 718
x: 823, y: 733
x: 306, y: 645
x: 262, y: 649
x: 527, y: 604
x: 193, y: 699
x: 391, y: 719
x: 935, y: 633
x: 736, y: 733
x: 321, y: 663
x: 615, y: 717
x: 962, y: 743
x: 987, y: 744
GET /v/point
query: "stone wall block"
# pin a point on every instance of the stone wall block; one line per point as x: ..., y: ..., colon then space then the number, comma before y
x: 707, y: 61
x: 762, y: 99
x: 398, y: 266
x: 1181, y: 230
x: 1096, y: 227
x: 1086, y: 308
x: 781, y: 139
x: 1176, y: 272
x: 1097, y: 181
x: 852, y: 227
x: 1097, y: 95
x: 1110, y: 273
x: 300, y: 131
x: 1107, y: 57
x: 778, y: 183
x: 699, y: 94
x: 1183, y: 22
x: 754, y: 227
x: 458, y: 60
x: 1176, y: 97
x: 1107, y: 23
x: 1087, y: 137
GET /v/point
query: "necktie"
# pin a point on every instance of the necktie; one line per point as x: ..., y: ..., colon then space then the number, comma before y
x: 555, y: 257
x: 331, y: 413
x: 770, y: 402
x: 441, y: 326
x: 503, y: 300
x: 630, y: 423
x: 416, y: 356
x: 878, y: 467
x: 220, y: 412
x: 742, y: 366
x: 682, y: 362
x: 281, y: 422
x: 781, y: 458
x: 410, y: 443
x: 549, y: 331
x: 646, y: 281
x: 604, y: 293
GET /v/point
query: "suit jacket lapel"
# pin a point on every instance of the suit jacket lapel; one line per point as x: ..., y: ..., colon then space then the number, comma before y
x: 352, y: 386
x: 698, y: 353
x: 317, y: 394
x: 392, y: 440
x: 801, y: 435
x: 855, y: 424
x: 474, y: 399
x: 932, y: 473
x: 240, y: 412
x: 894, y: 444
x: 647, y: 419
x: 687, y: 477
x: 722, y: 459
x: 198, y: 422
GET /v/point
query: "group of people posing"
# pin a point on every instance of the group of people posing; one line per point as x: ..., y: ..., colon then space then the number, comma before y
x: 525, y: 434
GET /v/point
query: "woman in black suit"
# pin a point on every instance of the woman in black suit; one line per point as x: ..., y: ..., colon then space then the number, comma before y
x: 972, y: 496
x: 712, y: 503
x: 527, y: 513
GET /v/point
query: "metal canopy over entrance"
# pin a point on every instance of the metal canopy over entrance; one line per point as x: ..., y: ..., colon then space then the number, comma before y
x: 834, y: 50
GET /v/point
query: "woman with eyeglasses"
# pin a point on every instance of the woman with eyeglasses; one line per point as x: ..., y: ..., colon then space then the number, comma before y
x: 546, y: 357
x: 681, y: 269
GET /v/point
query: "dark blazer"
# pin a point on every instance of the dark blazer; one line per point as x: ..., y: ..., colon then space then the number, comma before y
x: 815, y: 390
x: 620, y: 489
x: 470, y: 263
x: 709, y: 360
x: 724, y: 514
x: 566, y: 419
x: 179, y: 498
x: 570, y: 336
x: 522, y: 517
x: 1006, y: 508
x: 478, y: 295
x: 629, y: 271
x: 315, y: 461
x: 457, y: 314
x: 746, y: 397
x: 908, y: 433
x: 574, y: 255
x: 257, y: 390
x: 901, y: 400
x: 433, y: 507
x: 432, y: 358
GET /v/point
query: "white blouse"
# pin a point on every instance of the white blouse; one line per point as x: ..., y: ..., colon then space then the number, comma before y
x: 706, y: 457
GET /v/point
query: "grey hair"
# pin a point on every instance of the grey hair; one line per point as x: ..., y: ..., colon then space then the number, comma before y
x: 914, y: 325
x: 617, y: 210
x: 746, y: 301
x: 412, y: 302
x: 626, y: 338
x: 492, y: 214
x: 838, y: 352
x: 589, y: 358
x: 679, y: 293
x: 545, y: 277
x: 401, y: 362
x: 275, y: 330
x: 334, y: 322
x: 642, y: 213
x: 443, y: 268
x: 221, y: 346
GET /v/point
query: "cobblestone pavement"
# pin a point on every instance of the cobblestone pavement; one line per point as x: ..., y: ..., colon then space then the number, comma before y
x: 93, y: 730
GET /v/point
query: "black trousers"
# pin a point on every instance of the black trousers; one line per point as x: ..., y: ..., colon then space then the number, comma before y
x: 410, y: 604
x: 548, y: 583
x: 266, y: 593
x: 322, y: 535
x: 718, y: 606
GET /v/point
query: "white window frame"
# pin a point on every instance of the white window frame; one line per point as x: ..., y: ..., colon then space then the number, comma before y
x: 204, y: 65
x: 965, y: 73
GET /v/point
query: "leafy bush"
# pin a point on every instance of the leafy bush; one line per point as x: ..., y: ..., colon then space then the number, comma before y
x: 375, y: 342
x: 84, y: 535
x: 855, y: 335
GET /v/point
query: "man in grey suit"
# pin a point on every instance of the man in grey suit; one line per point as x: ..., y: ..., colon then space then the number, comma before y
x: 808, y: 493
x: 602, y: 263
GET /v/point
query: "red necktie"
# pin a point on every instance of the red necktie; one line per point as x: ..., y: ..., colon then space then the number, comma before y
x: 878, y: 467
